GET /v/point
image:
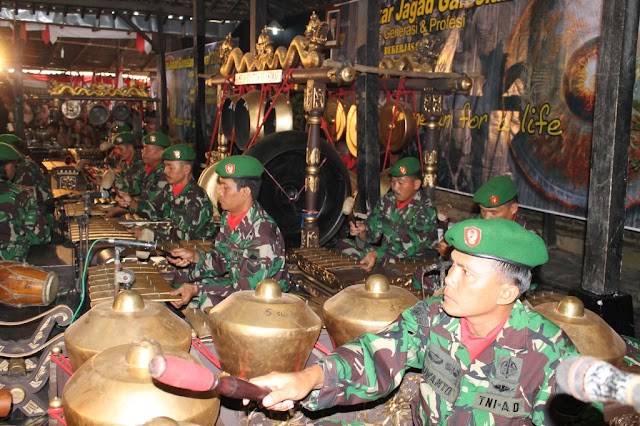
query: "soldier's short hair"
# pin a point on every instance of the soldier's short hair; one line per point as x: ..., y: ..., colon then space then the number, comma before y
x: 250, y: 182
x: 519, y: 275
x: 3, y: 171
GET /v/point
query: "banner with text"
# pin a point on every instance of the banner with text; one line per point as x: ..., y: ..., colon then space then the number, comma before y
x: 530, y: 113
x: 181, y: 92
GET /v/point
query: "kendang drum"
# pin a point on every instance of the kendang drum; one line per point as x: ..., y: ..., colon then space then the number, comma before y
x: 25, y: 285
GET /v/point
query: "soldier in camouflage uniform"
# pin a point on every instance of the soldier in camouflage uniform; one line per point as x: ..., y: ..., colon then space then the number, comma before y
x: 497, y: 198
x: 185, y: 204
x: 249, y: 247
x: 29, y: 174
x: 154, y: 181
x: 404, y: 222
x: 132, y: 171
x: 21, y: 222
x: 486, y: 358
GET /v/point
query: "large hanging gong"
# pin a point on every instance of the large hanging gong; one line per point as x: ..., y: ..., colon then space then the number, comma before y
x: 284, y: 157
x: 397, y: 125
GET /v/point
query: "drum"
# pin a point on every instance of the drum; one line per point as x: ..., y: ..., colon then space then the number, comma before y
x: 25, y: 285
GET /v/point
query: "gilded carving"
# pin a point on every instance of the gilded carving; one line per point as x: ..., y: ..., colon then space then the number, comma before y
x: 304, y: 50
x: 313, y: 157
x: 311, y: 183
x: 430, y: 158
x: 423, y: 59
x: 97, y: 90
x: 314, y: 96
x: 309, y: 238
x: 432, y: 105
x: 429, y: 180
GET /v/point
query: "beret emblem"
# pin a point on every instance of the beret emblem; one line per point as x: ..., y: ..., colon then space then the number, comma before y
x: 472, y: 236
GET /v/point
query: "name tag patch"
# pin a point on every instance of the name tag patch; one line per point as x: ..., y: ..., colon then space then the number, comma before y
x: 442, y: 373
x: 500, y: 405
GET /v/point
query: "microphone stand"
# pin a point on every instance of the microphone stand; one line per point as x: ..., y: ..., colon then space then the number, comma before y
x: 116, y: 271
x: 83, y: 241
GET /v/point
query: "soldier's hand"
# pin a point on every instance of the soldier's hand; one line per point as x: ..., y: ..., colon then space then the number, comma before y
x: 136, y: 231
x: 288, y: 387
x: 369, y: 261
x: 356, y: 228
x: 444, y: 249
x: 187, y: 292
x: 183, y: 257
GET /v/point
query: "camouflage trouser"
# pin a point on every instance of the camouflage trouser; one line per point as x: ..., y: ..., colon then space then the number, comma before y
x: 213, y: 296
x: 354, y: 247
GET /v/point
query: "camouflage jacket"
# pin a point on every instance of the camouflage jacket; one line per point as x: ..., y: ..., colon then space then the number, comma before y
x: 131, y: 176
x: 152, y: 186
x: 190, y: 213
x: 509, y: 383
x: 28, y: 173
x: 253, y: 251
x: 21, y: 222
x: 404, y: 233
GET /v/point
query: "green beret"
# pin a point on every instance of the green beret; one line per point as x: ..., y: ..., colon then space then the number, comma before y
x: 404, y: 167
x: 124, y: 137
x: 239, y: 166
x: 499, y: 239
x: 120, y: 128
x: 157, y: 139
x: 496, y: 192
x: 10, y: 138
x: 14, y: 141
x: 180, y: 152
x: 8, y: 152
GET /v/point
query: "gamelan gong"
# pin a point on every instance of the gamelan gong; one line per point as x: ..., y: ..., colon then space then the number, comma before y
x: 588, y: 332
x: 208, y: 181
x: 364, y: 308
x: 284, y: 157
x: 397, y: 125
x: 257, y: 332
x: 247, y: 113
x: 128, y: 319
x: 116, y: 388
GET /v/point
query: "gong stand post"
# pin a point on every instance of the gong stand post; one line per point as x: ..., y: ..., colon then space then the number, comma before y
x: 432, y: 110
x: 314, y: 100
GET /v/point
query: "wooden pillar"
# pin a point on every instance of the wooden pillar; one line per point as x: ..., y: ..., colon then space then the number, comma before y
x: 257, y: 19
x: 367, y: 86
x: 163, y: 110
x: 199, y: 28
x: 609, y: 152
x: 18, y: 87
x: 609, y: 159
x: 314, y: 99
